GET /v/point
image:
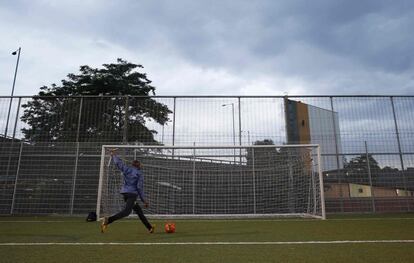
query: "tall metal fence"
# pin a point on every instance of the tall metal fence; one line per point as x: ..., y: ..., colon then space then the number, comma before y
x: 50, y: 146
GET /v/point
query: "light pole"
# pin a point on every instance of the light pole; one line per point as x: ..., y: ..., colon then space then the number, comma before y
x: 248, y: 137
x: 162, y: 136
x: 163, y: 130
x: 234, y: 131
x: 14, y: 82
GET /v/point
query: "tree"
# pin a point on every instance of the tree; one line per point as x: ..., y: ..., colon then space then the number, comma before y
x: 114, y: 116
x: 356, y: 170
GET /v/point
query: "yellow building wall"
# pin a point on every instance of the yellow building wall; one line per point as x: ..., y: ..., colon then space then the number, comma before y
x: 384, y: 192
x: 337, y: 191
x: 359, y: 190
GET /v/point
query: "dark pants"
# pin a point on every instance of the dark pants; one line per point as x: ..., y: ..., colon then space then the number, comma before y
x: 130, y: 204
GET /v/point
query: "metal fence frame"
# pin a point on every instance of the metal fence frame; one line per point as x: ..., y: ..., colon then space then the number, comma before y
x: 332, y: 100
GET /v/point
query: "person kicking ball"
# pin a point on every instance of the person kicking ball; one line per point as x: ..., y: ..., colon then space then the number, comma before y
x: 132, y: 188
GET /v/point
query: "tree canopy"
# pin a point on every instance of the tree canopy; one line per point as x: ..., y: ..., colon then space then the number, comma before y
x: 356, y: 170
x: 55, y: 114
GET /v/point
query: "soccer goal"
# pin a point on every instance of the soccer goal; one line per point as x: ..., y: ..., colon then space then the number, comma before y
x: 219, y: 181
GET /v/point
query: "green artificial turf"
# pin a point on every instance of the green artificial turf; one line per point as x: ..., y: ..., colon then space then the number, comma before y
x: 131, y: 242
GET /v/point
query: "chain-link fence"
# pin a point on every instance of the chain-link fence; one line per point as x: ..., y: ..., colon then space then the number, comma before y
x: 50, y: 146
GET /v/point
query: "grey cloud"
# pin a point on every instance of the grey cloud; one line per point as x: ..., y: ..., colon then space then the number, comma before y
x: 374, y: 33
x: 327, y: 45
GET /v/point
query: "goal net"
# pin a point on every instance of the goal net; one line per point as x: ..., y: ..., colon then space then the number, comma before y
x: 222, y: 181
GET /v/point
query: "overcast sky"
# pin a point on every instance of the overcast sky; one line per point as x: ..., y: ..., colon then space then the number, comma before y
x: 190, y: 47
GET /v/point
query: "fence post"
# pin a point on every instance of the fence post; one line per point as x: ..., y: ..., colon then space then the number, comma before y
x: 399, y: 150
x: 323, y: 207
x: 75, y: 173
x: 290, y: 183
x: 125, y: 134
x: 240, y: 129
x: 173, y: 131
x: 16, y: 179
x: 79, y: 119
x: 370, y: 178
x: 14, y: 136
x: 17, y: 118
x: 194, y: 165
x: 254, y: 182
x: 8, y: 117
x: 339, y: 172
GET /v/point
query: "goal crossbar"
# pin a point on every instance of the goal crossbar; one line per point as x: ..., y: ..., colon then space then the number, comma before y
x: 133, y: 146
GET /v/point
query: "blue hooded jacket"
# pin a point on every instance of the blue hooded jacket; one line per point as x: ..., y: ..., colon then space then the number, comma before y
x: 133, y: 179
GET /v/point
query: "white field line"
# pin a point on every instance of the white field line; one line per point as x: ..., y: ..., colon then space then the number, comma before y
x: 206, y: 243
x: 130, y: 220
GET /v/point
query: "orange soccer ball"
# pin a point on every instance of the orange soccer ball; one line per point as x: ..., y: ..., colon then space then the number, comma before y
x: 169, y: 227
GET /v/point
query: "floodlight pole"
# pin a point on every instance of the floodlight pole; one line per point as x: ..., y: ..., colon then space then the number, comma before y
x: 234, y: 131
x: 162, y: 135
x: 12, y: 92
x: 248, y: 137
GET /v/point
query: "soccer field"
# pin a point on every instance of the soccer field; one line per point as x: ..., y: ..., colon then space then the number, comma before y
x: 375, y: 238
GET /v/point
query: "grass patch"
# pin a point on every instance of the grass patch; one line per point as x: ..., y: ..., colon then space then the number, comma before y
x: 76, y: 230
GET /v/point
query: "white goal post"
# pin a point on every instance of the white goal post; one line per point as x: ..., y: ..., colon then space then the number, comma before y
x: 219, y: 181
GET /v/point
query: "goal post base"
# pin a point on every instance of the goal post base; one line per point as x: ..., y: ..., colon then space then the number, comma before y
x: 235, y: 216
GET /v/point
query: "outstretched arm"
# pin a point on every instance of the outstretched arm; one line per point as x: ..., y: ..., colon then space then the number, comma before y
x: 118, y: 162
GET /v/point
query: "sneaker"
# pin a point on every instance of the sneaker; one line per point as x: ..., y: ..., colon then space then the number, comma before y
x: 104, y: 225
x: 152, y: 229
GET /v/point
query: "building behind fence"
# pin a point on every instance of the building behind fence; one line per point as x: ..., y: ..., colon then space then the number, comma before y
x: 367, y: 143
